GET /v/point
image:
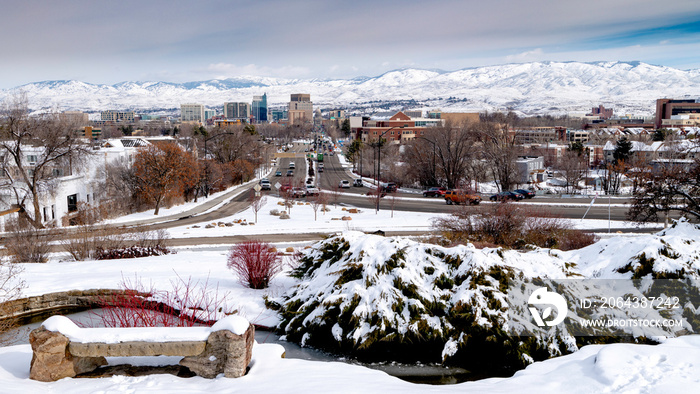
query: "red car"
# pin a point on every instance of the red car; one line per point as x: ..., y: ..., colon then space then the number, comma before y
x: 435, y: 192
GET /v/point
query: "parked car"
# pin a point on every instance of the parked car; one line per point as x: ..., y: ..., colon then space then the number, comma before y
x: 506, y: 196
x: 265, y: 184
x: 345, y: 184
x: 457, y: 196
x: 357, y: 182
x: 435, y: 192
x: 297, y: 192
x: 290, y: 172
x: 526, y: 193
x: 278, y: 173
x: 312, y: 190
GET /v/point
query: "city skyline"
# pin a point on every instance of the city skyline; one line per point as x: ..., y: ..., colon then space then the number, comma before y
x: 179, y: 41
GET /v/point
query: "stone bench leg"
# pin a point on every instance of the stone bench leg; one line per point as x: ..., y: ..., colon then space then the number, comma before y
x: 51, y: 359
x: 225, y: 353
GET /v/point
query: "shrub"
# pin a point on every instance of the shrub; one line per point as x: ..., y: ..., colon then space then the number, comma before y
x: 25, y: 244
x: 512, y: 226
x: 189, y: 303
x: 255, y: 263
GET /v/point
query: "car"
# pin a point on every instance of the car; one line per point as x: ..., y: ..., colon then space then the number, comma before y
x: 312, y: 190
x: 389, y: 187
x: 435, y: 192
x: 506, y: 196
x: 278, y: 173
x: 290, y: 172
x: 358, y: 182
x: 320, y: 165
x: 297, y: 192
x: 265, y: 184
x: 458, y: 196
x: 526, y: 193
x: 292, y: 165
x: 344, y: 184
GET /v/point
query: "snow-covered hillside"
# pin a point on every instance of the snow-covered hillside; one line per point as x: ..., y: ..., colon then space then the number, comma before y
x: 543, y: 87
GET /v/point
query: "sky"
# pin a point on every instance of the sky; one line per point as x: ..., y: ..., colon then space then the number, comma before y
x: 179, y: 41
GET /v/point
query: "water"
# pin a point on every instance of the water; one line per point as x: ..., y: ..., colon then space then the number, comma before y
x: 416, y: 373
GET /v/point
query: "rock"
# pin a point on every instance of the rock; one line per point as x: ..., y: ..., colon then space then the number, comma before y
x: 353, y: 210
x: 344, y: 209
x: 229, y: 224
x: 289, y: 249
x: 210, y: 226
x: 284, y: 215
x: 346, y: 218
x: 335, y: 218
x: 195, y: 226
x: 51, y: 359
x: 251, y: 224
x: 225, y: 353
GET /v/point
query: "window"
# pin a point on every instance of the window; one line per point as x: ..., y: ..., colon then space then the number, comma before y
x: 32, y: 159
x: 72, y: 203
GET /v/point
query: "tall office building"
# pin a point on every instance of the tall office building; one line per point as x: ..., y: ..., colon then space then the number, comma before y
x: 237, y: 110
x: 192, y: 113
x: 300, y: 108
x: 260, y: 108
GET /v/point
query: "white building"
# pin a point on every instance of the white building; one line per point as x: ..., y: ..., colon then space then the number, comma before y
x: 192, y: 113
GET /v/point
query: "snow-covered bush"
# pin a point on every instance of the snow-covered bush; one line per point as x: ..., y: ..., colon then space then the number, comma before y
x: 255, y: 263
x: 385, y: 299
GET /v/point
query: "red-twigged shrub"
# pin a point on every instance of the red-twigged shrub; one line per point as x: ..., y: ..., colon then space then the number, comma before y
x: 255, y: 263
x: 189, y: 303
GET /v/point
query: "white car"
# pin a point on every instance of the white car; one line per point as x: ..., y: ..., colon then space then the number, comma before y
x: 345, y: 184
x: 312, y: 190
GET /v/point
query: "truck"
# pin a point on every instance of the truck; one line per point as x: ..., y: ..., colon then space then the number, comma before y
x: 319, y: 157
x: 461, y: 196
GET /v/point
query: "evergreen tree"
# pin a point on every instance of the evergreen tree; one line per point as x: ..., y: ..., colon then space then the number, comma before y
x: 623, y: 150
x: 345, y: 128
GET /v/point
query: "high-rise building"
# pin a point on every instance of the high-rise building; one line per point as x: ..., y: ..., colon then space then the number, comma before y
x: 260, y: 108
x: 666, y: 108
x: 300, y: 108
x: 237, y: 110
x: 117, y: 116
x: 192, y: 113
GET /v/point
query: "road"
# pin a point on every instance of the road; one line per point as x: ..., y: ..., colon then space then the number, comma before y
x: 570, y: 208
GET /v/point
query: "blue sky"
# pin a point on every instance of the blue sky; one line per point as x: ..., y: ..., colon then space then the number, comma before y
x: 112, y: 41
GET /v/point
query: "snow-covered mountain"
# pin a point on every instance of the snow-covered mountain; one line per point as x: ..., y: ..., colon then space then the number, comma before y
x: 531, y: 88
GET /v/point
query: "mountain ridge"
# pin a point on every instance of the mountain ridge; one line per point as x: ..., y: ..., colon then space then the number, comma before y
x: 530, y: 88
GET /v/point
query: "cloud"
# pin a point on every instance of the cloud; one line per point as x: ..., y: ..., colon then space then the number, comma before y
x: 527, y: 56
x: 227, y: 70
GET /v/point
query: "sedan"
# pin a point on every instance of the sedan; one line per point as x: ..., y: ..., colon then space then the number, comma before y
x: 297, y: 192
x: 506, y: 196
x: 312, y: 190
x: 435, y: 192
x: 344, y: 184
x: 278, y: 173
x: 290, y: 172
x: 526, y: 193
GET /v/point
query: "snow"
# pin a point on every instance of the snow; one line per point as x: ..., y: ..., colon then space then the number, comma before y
x: 533, y: 88
x: 236, y: 324
x: 673, y: 366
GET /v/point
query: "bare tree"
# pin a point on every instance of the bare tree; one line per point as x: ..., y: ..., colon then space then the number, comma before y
x: 673, y: 187
x: 256, y: 203
x: 500, y: 152
x: 573, y: 165
x: 34, y: 152
x: 317, y: 201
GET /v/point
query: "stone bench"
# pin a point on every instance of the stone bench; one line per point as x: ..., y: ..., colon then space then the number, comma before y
x: 61, y: 349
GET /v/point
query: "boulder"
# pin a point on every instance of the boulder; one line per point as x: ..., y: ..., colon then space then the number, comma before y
x: 51, y: 359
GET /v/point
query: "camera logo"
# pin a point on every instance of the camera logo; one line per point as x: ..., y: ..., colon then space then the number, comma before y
x: 542, y: 297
